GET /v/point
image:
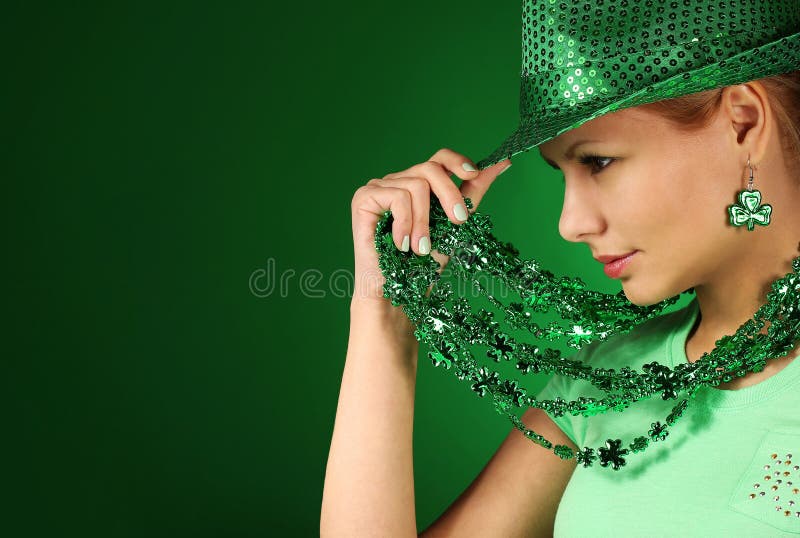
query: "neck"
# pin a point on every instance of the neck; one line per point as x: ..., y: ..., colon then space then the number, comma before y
x: 753, y: 260
x: 727, y: 302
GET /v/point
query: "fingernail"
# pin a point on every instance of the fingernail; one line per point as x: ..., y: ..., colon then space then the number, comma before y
x: 404, y: 246
x: 504, y: 169
x: 460, y: 211
x: 468, y: 167
x: 424, y: 245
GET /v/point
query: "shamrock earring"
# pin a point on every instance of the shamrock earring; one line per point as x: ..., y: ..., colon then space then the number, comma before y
x: 749, y: 210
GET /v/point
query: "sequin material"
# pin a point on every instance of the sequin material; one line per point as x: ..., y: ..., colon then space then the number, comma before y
x: 582, y: 59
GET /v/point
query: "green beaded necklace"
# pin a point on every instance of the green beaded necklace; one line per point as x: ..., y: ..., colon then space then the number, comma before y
x: 450, y: 329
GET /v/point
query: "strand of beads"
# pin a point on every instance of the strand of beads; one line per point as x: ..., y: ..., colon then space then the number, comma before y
x: 451, y: 331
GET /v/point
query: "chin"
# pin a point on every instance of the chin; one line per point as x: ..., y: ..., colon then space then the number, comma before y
x: 643, y: 297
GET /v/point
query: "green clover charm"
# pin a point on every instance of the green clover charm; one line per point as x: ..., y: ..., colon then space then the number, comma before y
x: 749, y: 210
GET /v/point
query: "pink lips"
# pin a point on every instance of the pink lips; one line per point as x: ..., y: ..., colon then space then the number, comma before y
x: 614, y: 266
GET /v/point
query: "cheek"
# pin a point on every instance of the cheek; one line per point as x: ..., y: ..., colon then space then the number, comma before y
x: 679, y: 208
x: 649, y: 200
x: 678, y: 193
x: 703, y: 175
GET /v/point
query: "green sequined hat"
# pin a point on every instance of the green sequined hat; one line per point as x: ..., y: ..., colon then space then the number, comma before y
x: 583, y: 59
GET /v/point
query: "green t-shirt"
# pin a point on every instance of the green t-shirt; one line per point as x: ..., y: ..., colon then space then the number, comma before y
x: 729, y: 466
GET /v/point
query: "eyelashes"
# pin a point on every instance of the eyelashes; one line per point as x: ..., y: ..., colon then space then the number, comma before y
x: 593, y: 160
x: 596, y: 163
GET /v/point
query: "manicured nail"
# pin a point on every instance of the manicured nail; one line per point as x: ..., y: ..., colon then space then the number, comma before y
x: 460, y: 211
x: 504, y: 169
x: 404, y: 246
x: 468, y: 167
x: 424, y: 245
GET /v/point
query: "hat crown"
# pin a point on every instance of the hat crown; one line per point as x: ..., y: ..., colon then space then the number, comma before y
x: 575, y: 50
x: 565, y: 32
x: 583, y: 59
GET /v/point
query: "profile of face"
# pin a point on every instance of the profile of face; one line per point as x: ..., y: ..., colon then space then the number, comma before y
x: 634, y: 182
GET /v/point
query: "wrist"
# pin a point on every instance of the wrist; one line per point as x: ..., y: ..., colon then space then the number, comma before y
x: 378, y: 313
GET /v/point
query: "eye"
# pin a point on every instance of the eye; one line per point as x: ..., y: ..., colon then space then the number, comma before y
x: 594, y: 160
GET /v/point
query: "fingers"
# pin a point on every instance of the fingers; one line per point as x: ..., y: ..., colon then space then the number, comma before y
x: 456, y: 163
x: 439, y: 182
x: 452, y: 163
x: 368, y: 204
x: 477, y: 187
x: 407, y: 195
x: 476, y: 182
x: 414, y: 212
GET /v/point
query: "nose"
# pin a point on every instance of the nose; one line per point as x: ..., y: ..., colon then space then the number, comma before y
x: 581, y: 215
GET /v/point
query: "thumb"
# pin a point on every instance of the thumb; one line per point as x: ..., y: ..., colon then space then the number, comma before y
x: 474, y: 189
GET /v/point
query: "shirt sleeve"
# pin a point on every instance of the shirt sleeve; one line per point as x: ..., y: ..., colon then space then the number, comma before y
x: 560, y: 386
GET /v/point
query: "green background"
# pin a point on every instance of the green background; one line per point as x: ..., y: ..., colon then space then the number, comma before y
x: 156, y: 158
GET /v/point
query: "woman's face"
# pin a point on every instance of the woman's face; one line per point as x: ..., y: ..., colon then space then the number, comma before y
x: 654, y: 190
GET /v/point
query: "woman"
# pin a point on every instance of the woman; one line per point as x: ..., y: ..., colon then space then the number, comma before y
x: 648, y: 187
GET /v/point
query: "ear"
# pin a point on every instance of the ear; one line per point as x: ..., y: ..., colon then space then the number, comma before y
x: 748, y: 109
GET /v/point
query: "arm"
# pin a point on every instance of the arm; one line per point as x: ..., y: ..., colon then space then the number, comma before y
x: 517, y: 493
x: 369, y: 479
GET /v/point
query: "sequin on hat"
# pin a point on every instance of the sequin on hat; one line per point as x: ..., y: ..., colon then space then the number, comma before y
x: 582, y: 59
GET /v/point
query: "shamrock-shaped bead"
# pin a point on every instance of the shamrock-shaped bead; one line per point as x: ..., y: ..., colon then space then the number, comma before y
x: 612, y: 454
x: 563, y: 452
x: 658, y: 431
x: 486, y: 380
x: 639, y: 444
x: 664, y: 378
x: 677, y: 411
x: 586, y: 456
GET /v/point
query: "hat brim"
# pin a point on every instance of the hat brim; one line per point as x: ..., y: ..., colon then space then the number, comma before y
x: 775, y: 58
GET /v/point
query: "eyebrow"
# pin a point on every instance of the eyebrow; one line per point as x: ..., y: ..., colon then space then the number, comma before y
x: 568, y: 154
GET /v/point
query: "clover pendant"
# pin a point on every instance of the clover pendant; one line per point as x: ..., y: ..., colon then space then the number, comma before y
x: 749, y: 210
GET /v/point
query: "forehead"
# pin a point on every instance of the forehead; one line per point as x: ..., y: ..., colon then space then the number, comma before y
x: 624, y: 124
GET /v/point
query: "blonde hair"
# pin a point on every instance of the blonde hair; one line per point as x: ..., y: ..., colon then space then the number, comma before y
x: 695, y: 111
